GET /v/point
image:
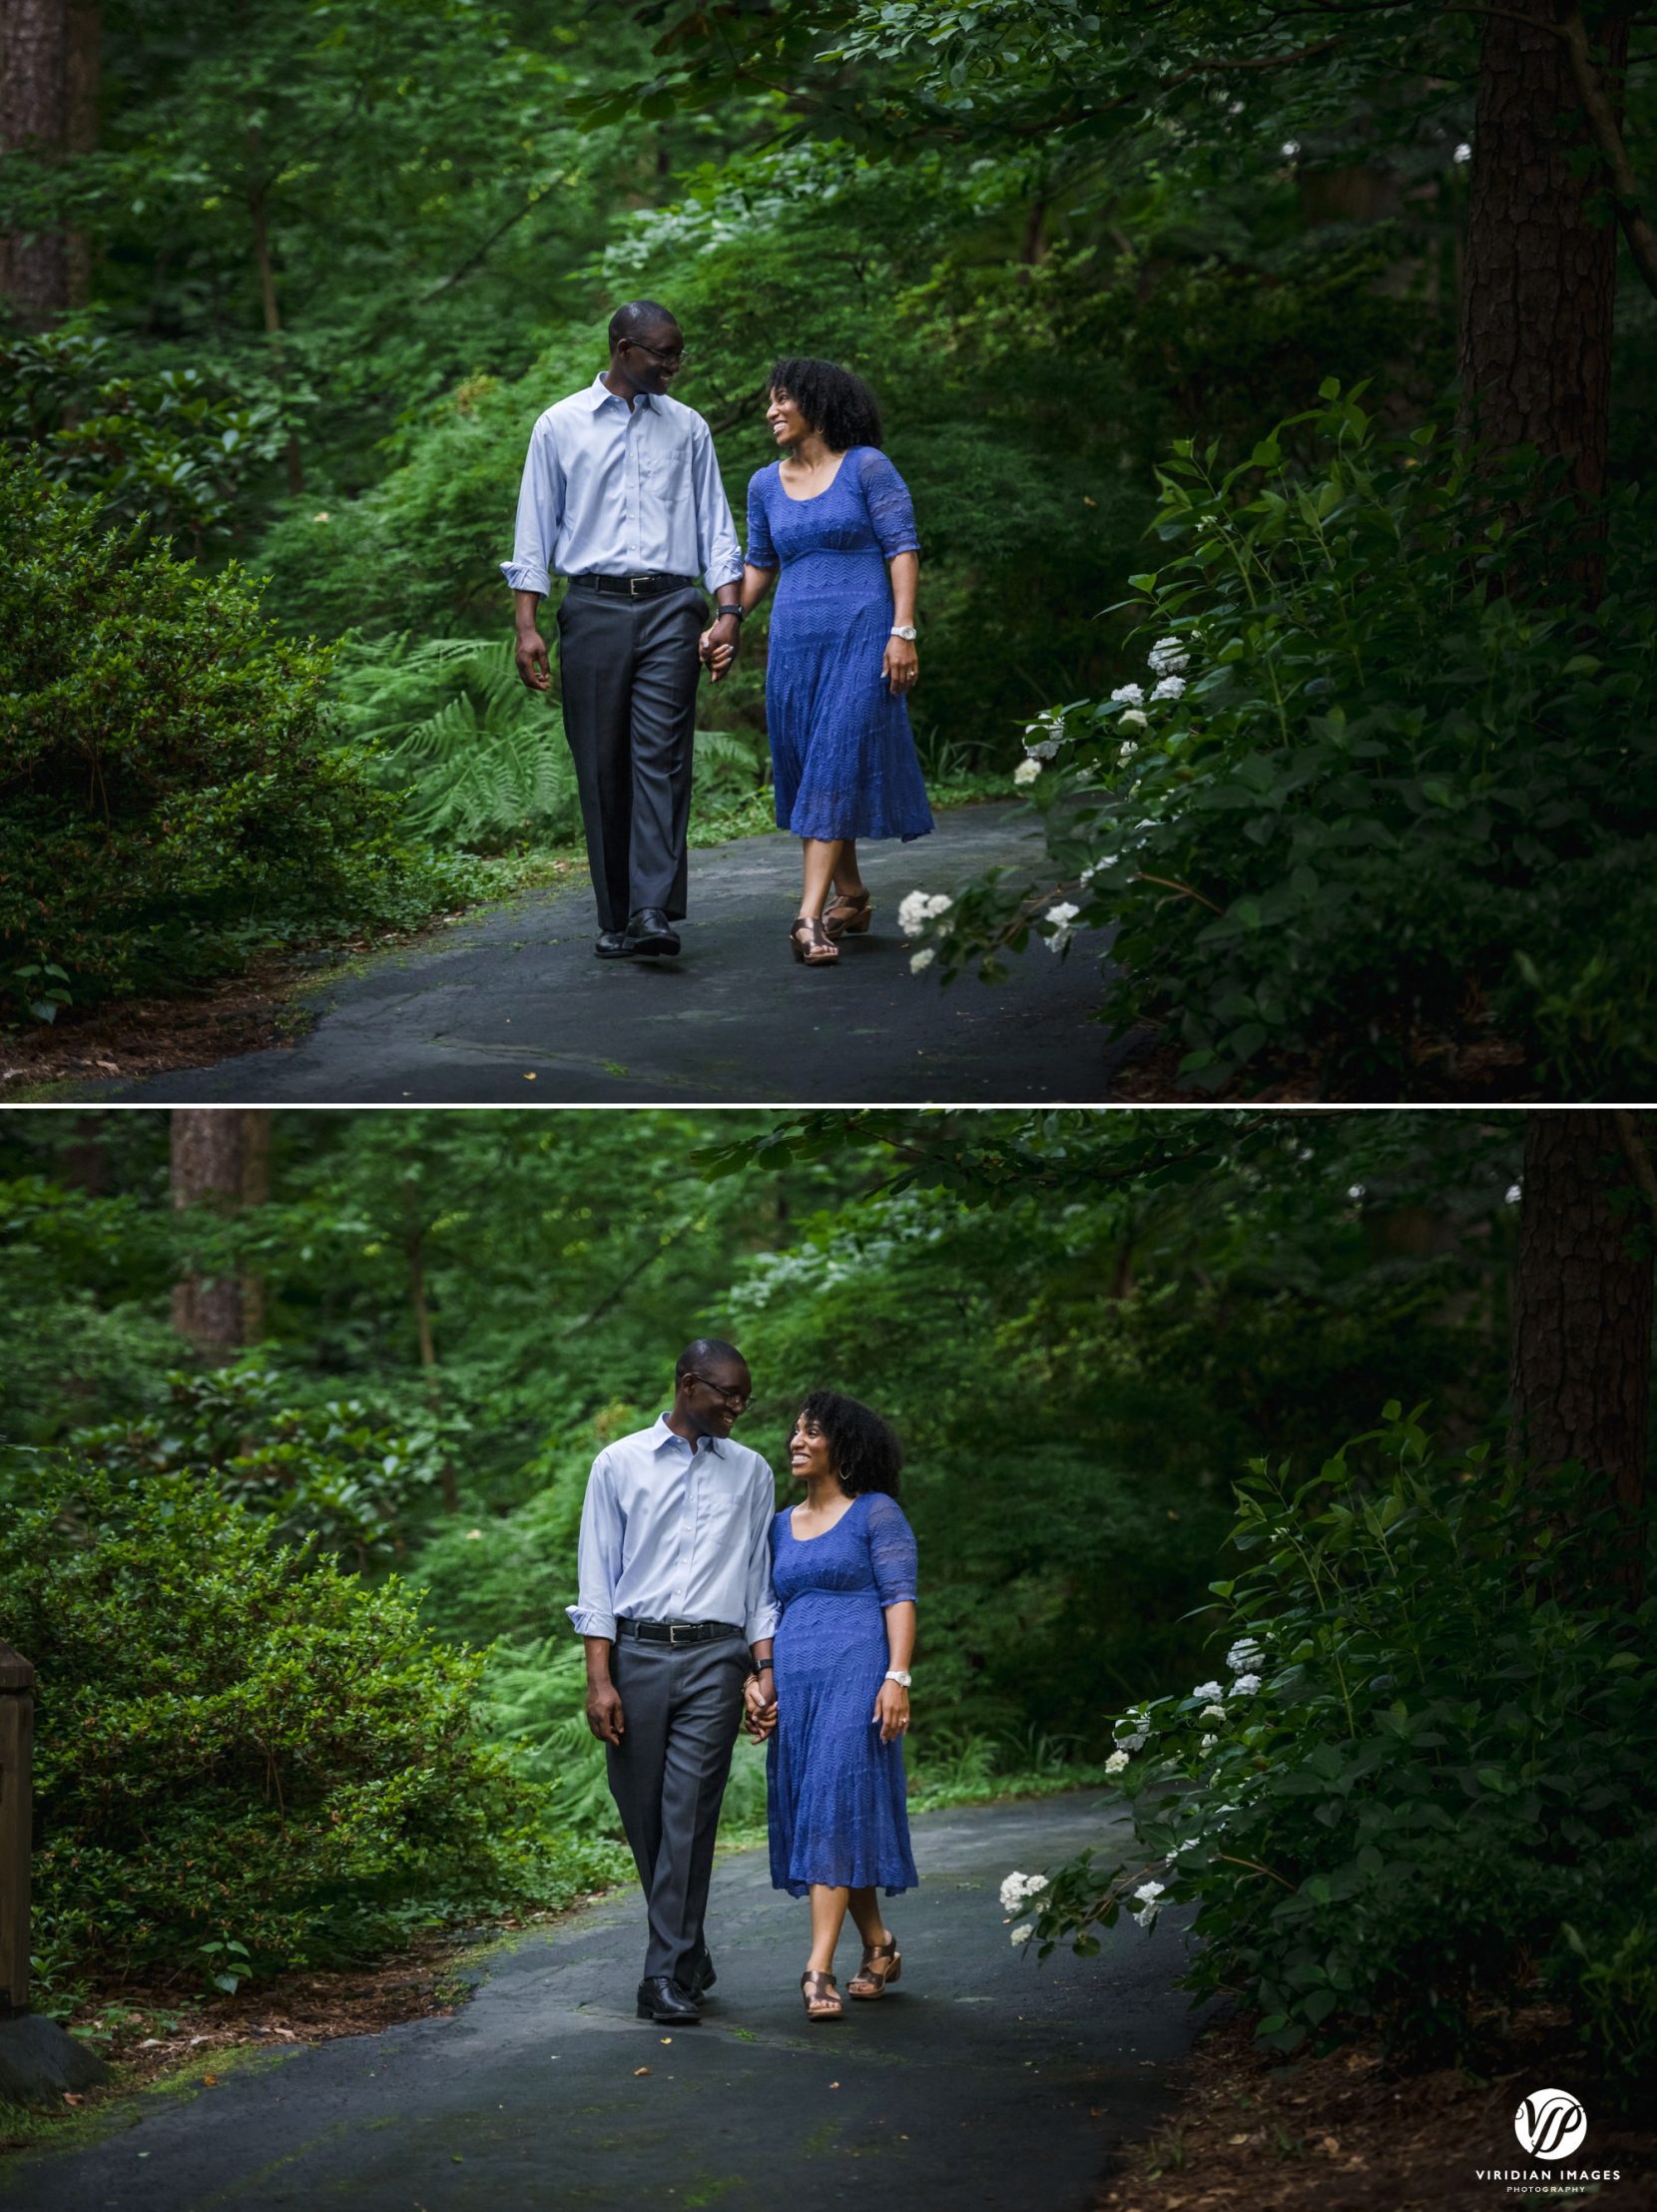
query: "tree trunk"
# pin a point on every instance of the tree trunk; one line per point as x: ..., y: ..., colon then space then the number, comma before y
x: 86, y: 41
x: 257, y: 212
x: 1541, y: 256
x: 34, y: 114
x: 421, y: 1305
x: 220, y: 1158
x: 1582, y: 1313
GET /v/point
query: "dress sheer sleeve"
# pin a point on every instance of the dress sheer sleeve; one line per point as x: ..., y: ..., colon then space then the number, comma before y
x: 891, y: 1549
x: 891, y: 508
x: 760, y: 552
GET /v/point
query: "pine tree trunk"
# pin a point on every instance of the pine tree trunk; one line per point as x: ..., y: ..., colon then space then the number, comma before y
x: 220, y: 1158
x: 34, y: 114
x: 1582, y: 1312
x: 86, y: 41
x: 1539, y: 276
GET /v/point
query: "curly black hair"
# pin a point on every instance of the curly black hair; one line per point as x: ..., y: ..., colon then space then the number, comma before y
x: 862, y: 1448
x: 840, y: 407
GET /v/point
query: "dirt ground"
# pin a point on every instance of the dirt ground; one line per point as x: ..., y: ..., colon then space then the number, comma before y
x: 1346, y: 2133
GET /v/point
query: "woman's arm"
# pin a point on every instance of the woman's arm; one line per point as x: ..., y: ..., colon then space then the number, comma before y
x: 891, y: 1707
x: 901, y: 666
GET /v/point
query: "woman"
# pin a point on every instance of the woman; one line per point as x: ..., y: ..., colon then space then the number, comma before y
x: 834, y: 518
x: 843, y: 1569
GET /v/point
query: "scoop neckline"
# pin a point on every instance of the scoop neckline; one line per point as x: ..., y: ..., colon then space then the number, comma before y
x: 788, y: 1511
x: 811, y: 500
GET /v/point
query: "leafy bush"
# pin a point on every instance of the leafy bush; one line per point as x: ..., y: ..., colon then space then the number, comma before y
x: 1420, y: 1791
x: 1374, y: 782
x: 169, y: 796
x: 239, y: 1744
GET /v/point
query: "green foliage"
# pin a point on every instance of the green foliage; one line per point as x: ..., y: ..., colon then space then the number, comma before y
x: 169, y: 796
x: 240, y: 1746
x: 329, y: 1473
x: 1366, y: 723
x: 168, y: 447
x: 1417, y: 1794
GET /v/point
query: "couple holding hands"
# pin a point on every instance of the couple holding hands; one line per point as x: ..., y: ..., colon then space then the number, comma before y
x: 621, y: 494
x: 704, y: 1608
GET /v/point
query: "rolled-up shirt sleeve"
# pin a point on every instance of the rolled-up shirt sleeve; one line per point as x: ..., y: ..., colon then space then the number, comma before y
x: 715, y: 533
x: 762, y: 1611
x: 598, y: 1556
x: 540, y: 514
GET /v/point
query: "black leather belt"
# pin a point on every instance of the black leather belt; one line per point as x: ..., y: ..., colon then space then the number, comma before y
x: 677, y: 1632
x: 632, y: 587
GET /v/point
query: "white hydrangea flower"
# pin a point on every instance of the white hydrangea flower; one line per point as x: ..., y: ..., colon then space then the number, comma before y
x: 1137, y: 1740
x: 1206, y: 1746
x: 917, y: 908
x: 1116, y: 1762
x: 1023, y: 1933
x: 1018, y: 1886
x: 921, y: 959
x: 1133, y: 720
x: 1170, y: 687
x: 1128, y: 695
x: 1209, y: 1692
x: 1246, y: 1685
x: 1027, y: 770
x: 1147, y: 1918
x: 1463, y: 152
x: 1244, y: 1656
x: 1061, y: 917
x: 1169, y: 656
x: 1212, y: 1713
x: 1048, y: 726
x: 1149, y: 1892
x: 1043, y: 749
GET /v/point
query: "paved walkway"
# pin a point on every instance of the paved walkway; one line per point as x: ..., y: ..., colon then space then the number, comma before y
x: 517, y: 993
x: 983, y: 2081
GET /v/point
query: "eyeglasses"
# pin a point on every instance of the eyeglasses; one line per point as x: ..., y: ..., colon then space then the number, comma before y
x: 740, y: 1400
x: 667, y: 361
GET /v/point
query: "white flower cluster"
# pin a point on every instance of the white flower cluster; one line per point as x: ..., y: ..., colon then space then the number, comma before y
x: 1148, y: 1893
x: 1022, y: 1933
x: 1117, y: 1761
x: 920, y: 907
x: 921, y: 959
x: 1018, y: 1888
x: 1169, y: 656
x: 1128, y: 695
x: 1169, y: 687
x: 1245, y: 1684
x: 1212, y: 1713
x: 1044, y: 735
x: 1245, y: 1656
x: 1061, y: 917
x: 1027, y: 770
x: 1209, y: 1692
x: 1132, y: 720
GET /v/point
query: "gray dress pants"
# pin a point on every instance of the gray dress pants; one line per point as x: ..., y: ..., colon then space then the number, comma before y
x: 681, y: 1707
x: 628, y: 671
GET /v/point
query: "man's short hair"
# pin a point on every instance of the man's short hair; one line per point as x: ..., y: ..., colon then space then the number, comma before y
x: 638, y: 316
x: 707, y: 1352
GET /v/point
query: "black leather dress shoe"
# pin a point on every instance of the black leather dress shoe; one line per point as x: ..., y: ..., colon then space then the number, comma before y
x: 699, y: 1975
x: 650, y: 933
x: 611, y: 945
x: 661, y: 1999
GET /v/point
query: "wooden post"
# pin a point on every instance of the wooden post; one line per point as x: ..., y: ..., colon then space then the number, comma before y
x: 17, y: 1735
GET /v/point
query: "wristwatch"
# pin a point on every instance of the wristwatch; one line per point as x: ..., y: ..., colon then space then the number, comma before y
x: 905, y: 630
x: 900, y: 1675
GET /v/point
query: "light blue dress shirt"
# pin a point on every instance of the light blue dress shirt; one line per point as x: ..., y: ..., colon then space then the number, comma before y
x: 612, y: 490
x: 667, y: 1534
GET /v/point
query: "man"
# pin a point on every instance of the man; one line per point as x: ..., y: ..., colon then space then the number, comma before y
x: 621, y: 493
x: 674, y: 1597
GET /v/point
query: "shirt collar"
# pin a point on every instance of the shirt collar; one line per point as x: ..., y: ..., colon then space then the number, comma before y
x: 599, y: 391
x: 661, y: 1434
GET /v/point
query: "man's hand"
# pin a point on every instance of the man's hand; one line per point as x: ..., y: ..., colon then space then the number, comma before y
x: 759, y: 1707
x: 719, y: 644
x: 531, y: 657
x: 604, y: 1712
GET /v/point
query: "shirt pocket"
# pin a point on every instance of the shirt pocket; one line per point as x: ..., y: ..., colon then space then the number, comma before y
x: 665, y: 469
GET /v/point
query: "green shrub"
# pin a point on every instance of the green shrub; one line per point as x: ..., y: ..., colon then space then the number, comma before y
x: 1420, y: 1790
x: 239, y: 1744
x: 168, y: 798
x: 1374, y: 781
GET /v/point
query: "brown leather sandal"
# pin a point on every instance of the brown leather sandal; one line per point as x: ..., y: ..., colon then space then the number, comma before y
x: 812, y: 943
x: 849, y: 914
x: 873, y: 1984
x: 823, y: 1999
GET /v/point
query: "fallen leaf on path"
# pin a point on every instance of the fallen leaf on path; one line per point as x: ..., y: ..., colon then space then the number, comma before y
x: 1330, y: 2143
x: 209, y: 2081
x: 640, y: 2070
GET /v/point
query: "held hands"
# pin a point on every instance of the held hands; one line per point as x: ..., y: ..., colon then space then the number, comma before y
x: 717, y: 646
x: 604, y: 1712
x: 758, y: 1706
x: 891, y: 1707
x: 901, y: 666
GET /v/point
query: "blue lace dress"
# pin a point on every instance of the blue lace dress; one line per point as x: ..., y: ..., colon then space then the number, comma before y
x: 835, y: 1796
x: 842, y: 756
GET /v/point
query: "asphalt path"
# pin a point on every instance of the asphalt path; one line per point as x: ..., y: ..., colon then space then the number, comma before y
x: 511, y: 1008
x: 983, y: 2079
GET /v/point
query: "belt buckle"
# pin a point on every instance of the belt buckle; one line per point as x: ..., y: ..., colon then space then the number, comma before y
x: 672, y: 1635
x: 633, y: 583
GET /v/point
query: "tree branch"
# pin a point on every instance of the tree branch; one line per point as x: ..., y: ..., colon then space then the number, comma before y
x: 1642, y: 240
